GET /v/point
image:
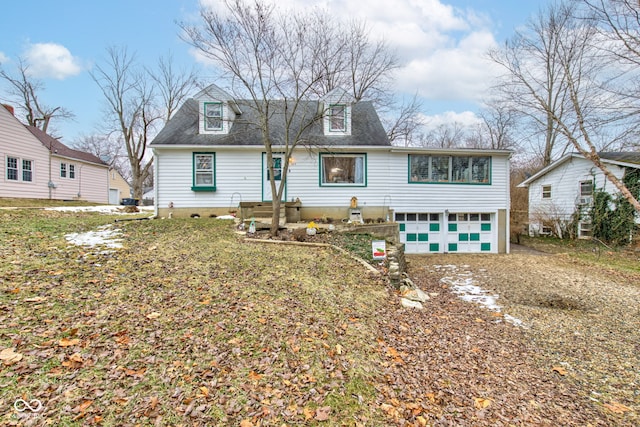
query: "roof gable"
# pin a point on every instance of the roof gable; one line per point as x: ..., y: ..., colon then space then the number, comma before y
x: 620, y: 158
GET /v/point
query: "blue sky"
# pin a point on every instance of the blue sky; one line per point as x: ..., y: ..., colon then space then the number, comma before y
x: 441, y: 43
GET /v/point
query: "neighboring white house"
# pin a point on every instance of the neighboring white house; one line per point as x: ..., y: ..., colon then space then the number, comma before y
x: 566, y: 187
x: 210, y: 157
x: 35, y: 165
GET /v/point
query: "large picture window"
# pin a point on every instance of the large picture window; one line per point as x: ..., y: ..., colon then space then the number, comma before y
x: 204, y: 177
x: 449, y: 169
x: 343, y: 169
x: 213, y: 115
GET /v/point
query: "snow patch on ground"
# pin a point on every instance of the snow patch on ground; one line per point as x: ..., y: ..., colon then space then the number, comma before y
x: 462, y: 282
x: 106, y: 209
x: 106, y: 236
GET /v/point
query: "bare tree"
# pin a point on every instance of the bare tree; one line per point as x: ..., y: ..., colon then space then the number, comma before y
x: 530, y: 59
x: 593, y: 110
x: 445, y: 135
x: 108, y: 149
x: 131, y: 95
x: 497, y: 129
x: 285, y: 58
x: 24, y: 92
x: 405, y: 125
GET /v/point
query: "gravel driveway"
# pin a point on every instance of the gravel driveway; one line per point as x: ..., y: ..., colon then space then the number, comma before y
x: 582, y: 321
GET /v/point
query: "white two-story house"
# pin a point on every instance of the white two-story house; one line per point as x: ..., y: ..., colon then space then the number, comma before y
x: 210, y: 157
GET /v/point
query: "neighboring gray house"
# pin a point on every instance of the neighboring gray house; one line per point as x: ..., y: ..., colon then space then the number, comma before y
x: 210, y: 157
x: 566, y: 186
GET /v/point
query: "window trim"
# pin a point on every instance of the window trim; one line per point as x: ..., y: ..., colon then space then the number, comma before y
x: 196, y: 187
x: 333, y: 116
x: 546, y: 191
x: 324, y: 155
x: 582, y: 183
x: 207, y: 117
x: 27, y: 170
x: 450, y: 172
x: 15, y: 169
x: 72, y: 171
x: 63, y: 170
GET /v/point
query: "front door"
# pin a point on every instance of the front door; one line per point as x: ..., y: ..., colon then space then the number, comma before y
x: 278, y: 164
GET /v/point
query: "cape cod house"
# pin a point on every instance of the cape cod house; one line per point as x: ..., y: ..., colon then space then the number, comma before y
x: 566, y: 186
x: 209, y: 160
x: 37, y: 166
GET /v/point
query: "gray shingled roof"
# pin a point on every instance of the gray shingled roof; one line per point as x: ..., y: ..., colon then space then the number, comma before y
x: 622, y: 156
x: 182, y: 129
x: 57, y: 147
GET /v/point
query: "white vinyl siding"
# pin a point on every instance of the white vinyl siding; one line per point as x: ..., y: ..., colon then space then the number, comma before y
x: 564, y: 190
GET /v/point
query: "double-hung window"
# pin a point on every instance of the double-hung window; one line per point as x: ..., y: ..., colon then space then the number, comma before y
x: 63, y: 170
x: 337, y: 118
x: 72, y: 172
x: 27, y: 170
x: 586, y: 188
x: 546, y: 191
x: 19, y: 169
x: 204, y: 172
x: 213, y: 115
x: 12, y: 168
x: 343, y: 169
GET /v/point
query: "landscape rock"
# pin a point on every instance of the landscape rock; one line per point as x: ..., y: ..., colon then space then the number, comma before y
x: 411, y: 304
x: 416, y: 295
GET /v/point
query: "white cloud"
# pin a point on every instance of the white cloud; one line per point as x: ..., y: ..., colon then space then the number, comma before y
x: 465, y: 118
x: 3, y: 58
x: 51, y: 60
x: 461, y: 72
x: 442, y: 48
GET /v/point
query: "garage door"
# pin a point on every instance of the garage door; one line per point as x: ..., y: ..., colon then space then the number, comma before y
x: 469, y: 232
x: 452, y: 232
x: 420, y: 232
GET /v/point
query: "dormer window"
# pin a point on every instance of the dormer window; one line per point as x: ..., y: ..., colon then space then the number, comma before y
x: 338, y: 118
x: 213, y: 115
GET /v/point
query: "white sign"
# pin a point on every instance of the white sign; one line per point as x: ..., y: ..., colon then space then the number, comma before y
x: 379, y: 249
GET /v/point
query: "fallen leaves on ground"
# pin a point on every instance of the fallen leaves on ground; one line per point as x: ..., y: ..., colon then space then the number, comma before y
x: 204, y: 330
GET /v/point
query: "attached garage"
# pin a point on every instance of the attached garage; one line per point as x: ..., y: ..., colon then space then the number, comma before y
x: 448, y: 232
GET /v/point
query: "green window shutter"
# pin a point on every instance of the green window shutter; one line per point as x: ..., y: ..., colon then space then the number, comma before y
x: 485, y: 247
x: 475, y: 237
x: 453, y: 227
x: 412, y: 237
x: 403, y: 227
x: 463, y: 237
x: 485, y: 227
x: 453, y: 247
x: 434, y: 227
x: 423, y: 237
x: 434, y: 247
